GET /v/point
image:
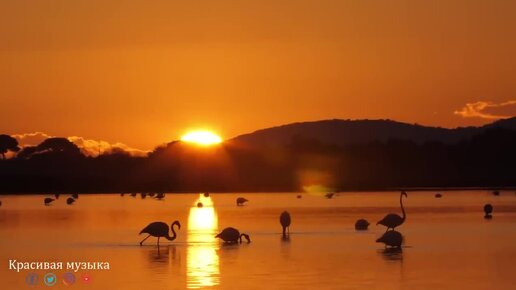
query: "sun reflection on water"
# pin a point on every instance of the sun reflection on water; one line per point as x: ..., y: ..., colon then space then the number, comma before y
x: 202, y: 259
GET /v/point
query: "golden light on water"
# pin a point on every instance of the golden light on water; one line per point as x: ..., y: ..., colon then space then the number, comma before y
x: 201, y: 137
x: 202, y: 259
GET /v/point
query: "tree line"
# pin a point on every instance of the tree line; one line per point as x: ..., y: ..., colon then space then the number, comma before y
x: 58, y: 165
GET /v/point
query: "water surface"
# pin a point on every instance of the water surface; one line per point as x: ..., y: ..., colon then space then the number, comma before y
x: 448, y: 243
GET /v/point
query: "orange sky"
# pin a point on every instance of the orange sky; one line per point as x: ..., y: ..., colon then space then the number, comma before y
x: 143, y: 72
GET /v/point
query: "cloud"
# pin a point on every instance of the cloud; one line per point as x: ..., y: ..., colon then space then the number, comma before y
x: 94, y: 147
x: 89, y: 147
x: 31, y: 139
x: 488, y: 110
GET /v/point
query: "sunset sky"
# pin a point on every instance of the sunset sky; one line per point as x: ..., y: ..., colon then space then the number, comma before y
x: 145, y: 72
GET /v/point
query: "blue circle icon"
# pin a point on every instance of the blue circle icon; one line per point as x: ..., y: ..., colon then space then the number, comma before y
x: 32, y: 279
x: 50, y: 279
x: 68, y: 279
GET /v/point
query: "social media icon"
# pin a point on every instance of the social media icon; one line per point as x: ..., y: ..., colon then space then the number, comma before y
x: 50, y: 279
x: 85, y: 278
x: 68, y: 279
x: 32, y: 279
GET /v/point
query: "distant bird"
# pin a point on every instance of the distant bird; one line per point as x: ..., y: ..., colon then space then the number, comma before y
x: 151, y: 194
x: 57, y: 195
x: 240, y: 201
x: 160, y: 195
x: 391, y: 238
x: 285, y: 222
x: 496, y: 192
x: 206, y: 194
x: 329, y: 195
x: 122, y: 194
x: 392, y: 220
x: 299, y: 196
x: 0, y: 203
x: 438, y: 195
x: 160, y: 230
x: 75, y: 195
x: 232, y: 235
x: 488, y: 209
x: 199, y: 204
x: 48, y: 200
x: 143, y: 195
x: 70, y: 201
x: 133, y: 194
x: 361, y: 225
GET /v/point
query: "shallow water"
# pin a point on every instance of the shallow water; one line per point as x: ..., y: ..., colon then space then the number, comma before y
x: 448, y: 243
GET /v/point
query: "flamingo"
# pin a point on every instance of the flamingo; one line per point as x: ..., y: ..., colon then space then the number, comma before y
x: 160, y: 195
x: 56, y: 195
x: 285, y: 222
x: 48, y: 200
x: 160, y: 230
x: 206, y: 194
x: 488, y: 209
x: 240, y: 201
x: 391, y: 238
x: 70, y: 200
x: 329, y: 195
x: 232, y: 235
x: 361, y: 225
x: 393, y: 220
x: 438, y: 195
x: 75, y: 196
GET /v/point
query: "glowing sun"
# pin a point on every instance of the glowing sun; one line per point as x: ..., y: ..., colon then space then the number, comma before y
x: 201, y: 137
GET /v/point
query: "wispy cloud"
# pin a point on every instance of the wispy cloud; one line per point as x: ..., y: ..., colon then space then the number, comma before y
x: 488, y: 110
x: 89, y: 147
x: 92, y: 147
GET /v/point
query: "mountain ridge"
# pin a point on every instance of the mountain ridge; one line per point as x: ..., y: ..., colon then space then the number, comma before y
x: 347, y: 131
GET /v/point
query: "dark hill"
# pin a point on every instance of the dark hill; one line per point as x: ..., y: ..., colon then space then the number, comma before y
x: 344, y: 132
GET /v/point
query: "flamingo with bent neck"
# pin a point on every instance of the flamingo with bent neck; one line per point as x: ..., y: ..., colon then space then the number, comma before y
x: 160, y: 230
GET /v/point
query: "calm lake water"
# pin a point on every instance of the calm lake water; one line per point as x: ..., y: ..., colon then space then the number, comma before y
x: 448, y: 243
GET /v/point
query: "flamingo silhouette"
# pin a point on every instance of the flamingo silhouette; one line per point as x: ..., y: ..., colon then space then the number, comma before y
x: 240, y: 201
x: 391, y: 238
x: 392, y: 220
x: 488, y: 209
x: 160, y: 230
x: 48, y: 200
x: 285, y: 222
x: 160, y: 195
x: 75, y: 196
x: 361, y: 225
x: 57, y: 195
x: 70, y: 201
x: 232, y: 235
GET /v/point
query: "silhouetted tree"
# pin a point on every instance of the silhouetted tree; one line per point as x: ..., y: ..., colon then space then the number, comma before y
x: 59, y: 144
x: 26, y: 152
x: 8, y: 143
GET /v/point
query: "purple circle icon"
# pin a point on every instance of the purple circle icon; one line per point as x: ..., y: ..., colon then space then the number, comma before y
x: 68, y: 279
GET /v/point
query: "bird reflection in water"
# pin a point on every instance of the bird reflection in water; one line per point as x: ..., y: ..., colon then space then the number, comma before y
x: 392, y: 254
x: 202, y: 259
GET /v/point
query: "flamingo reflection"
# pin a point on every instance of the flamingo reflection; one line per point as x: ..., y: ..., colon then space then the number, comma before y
x: 202, y: 258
